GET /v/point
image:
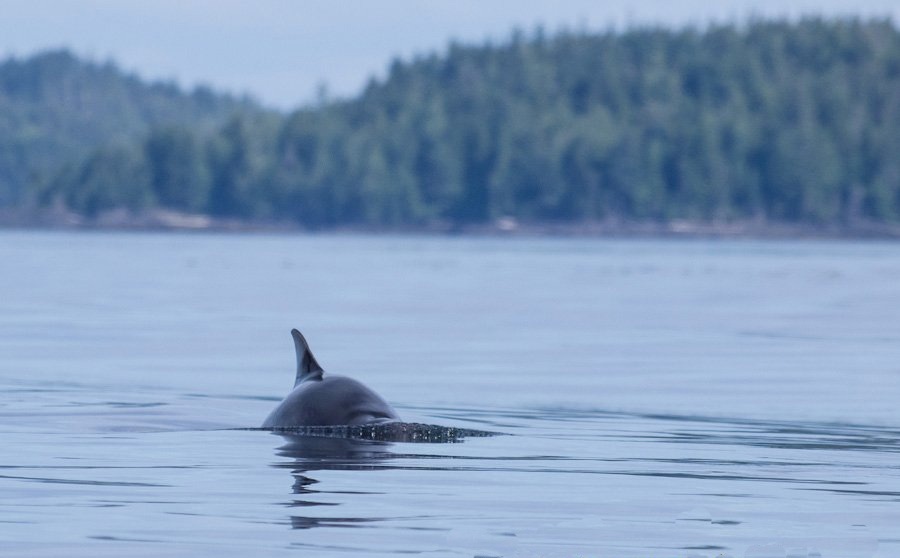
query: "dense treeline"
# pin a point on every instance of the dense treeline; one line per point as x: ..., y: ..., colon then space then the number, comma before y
x: 772, y: 121
x: 55, y: 108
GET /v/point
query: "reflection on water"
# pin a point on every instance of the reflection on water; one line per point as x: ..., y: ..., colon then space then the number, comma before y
x: 313, y: 452
x: 351, y: 448
x: 309, y: 454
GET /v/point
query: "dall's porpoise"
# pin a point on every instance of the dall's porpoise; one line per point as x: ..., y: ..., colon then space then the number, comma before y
x: 320, y: 400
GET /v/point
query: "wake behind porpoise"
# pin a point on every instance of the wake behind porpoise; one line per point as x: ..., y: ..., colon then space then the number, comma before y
x: 386, y: 432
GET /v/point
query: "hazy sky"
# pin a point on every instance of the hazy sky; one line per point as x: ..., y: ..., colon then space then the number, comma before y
x: 279, y: 50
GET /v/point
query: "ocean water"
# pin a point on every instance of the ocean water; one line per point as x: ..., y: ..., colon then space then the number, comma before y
x: 655, y: 398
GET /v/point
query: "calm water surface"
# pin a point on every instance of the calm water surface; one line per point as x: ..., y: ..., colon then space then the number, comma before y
x: 659, y: 398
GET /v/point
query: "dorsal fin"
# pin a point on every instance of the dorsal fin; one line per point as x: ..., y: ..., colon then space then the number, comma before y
x: 307, y: 367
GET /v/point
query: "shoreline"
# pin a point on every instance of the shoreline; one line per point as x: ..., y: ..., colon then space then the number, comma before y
x: 170, y: 221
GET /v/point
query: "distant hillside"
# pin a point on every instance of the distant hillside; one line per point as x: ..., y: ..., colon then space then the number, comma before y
x: 769, y: 123
x: 56, y: 108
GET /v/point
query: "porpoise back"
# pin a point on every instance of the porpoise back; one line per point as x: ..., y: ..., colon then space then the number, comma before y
x: 319, y: 400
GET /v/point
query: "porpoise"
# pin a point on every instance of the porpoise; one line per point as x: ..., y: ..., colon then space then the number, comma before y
x: 320, y: 400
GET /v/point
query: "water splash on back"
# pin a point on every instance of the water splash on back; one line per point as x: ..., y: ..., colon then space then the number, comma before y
x: 387, y: 432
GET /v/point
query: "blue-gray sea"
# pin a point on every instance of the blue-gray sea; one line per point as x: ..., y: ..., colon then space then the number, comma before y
x: 657, y: 398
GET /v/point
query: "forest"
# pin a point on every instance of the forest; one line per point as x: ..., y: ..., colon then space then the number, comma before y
x: 766, y: 121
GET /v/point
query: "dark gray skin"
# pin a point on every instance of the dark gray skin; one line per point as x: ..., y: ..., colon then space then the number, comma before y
x: 326, y: 401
